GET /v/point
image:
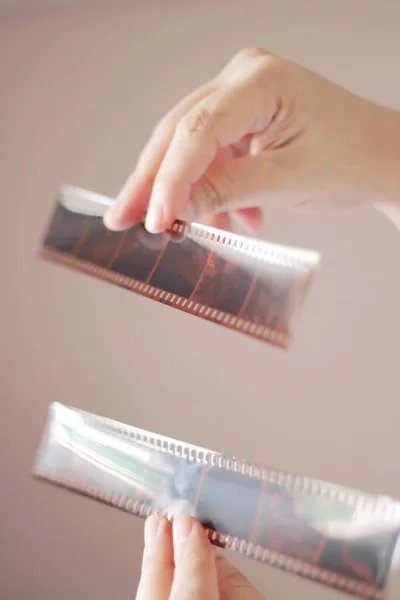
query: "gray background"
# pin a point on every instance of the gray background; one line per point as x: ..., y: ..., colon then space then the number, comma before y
x: 80, y: 90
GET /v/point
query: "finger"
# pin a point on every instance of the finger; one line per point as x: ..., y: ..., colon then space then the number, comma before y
x: 240, y: 63
x: 220, y: 120
x: 220, y: 221
x: 158, y: 560
x: 233, y: 585
x: 252, y: 181
x: 229, y: 186
x: 250, y: 219
x: 133, y: 198
x: 195, y: 571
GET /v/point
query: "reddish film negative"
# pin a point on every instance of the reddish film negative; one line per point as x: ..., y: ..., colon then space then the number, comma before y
x: 336, y: 536
x: 246, y: 285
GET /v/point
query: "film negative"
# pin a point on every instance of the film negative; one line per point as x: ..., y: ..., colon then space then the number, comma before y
x: 339, y: 537
x: 246, y: 285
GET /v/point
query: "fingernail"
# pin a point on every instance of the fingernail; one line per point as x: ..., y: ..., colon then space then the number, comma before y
x: 112, y: 209
x: 155, y: 218
x: 182, y: 528
x: 113, y: 213
x: 151, y: 527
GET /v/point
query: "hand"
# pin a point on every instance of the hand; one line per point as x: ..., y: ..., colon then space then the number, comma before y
x: 263, y: 130
x: 183, y: 565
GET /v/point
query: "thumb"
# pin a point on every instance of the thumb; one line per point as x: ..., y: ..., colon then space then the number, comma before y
x: 251, y: 181
x: 195, y: 575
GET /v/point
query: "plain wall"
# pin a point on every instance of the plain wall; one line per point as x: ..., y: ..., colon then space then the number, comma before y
x: 80, y: 92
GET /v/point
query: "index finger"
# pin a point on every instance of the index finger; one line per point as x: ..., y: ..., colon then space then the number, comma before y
x: 134, y: 197
x: 218, y: 121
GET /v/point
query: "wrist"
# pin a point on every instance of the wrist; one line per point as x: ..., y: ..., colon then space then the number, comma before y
x: 386, y: 163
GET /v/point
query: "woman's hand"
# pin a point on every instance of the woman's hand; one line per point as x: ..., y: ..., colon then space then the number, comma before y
x: 263, y: 130
x: 179, y: 563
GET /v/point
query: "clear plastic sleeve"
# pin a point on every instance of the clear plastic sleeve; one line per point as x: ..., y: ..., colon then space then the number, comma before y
x: 336, y: 536
x: 246, y: 285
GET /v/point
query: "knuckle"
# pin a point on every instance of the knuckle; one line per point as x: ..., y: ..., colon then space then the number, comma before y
x: 241, y: 61
x: 249, y: 53
x: 255, y: 65
x: 266, y: 63
x: 270, y: 65
x: 165, y: 180
x: 197, y: 122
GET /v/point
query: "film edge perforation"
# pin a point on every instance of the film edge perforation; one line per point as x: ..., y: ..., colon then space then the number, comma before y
x: 241, y: 546
x: 190, y: 306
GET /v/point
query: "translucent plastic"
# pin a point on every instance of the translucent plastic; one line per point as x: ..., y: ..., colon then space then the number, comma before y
x: 336, y: 536
x: 243, y: 284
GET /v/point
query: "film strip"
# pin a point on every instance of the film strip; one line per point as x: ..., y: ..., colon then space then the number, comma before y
x: 246, y: 285
x: 339, y: 537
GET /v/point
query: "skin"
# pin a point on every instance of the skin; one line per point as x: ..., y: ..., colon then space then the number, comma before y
x: 179, y: 563
x: 264, y: 130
